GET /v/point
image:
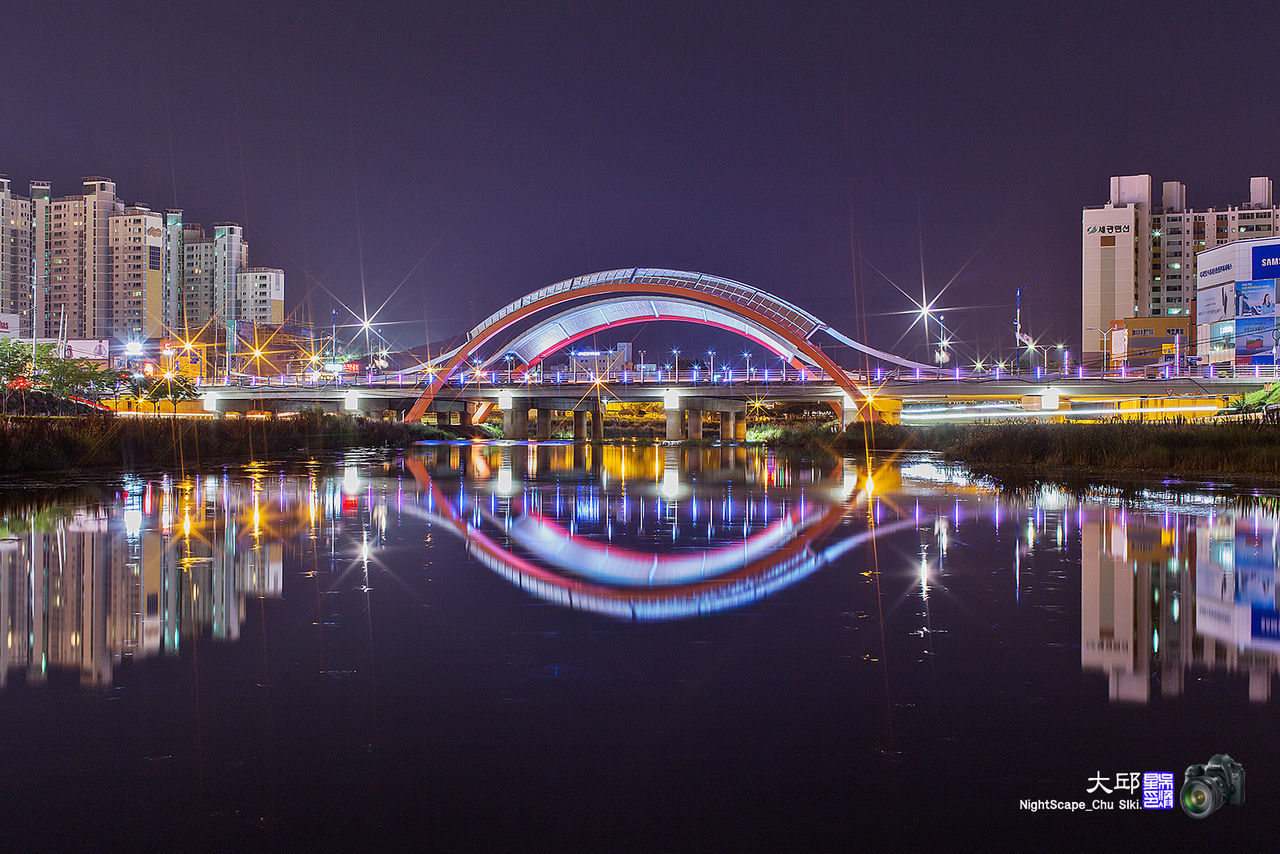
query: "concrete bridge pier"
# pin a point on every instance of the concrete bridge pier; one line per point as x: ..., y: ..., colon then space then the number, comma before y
x: 847, y: 410
x: 544, y: 424
x: 515, y: 421
x: 597, y: 422
x: 728, y: 426
x: 740, y: 427
x: 675, y: 425
x: 694, y: 419
x: 579, y: 425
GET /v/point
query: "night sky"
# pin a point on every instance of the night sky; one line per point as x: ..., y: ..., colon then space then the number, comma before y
x: 466, y: 153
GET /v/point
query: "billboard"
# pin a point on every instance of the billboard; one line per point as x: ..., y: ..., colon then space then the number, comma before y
x: 1215, y: 304
x: 8, y: 326
x: 90, y: 348
x: 1255, y: 340
x: 1215, y: 268
x: 1266, y: 261
x: 1256, y: 298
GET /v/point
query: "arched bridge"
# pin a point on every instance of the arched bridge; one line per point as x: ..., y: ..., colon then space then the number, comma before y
x: 531, y: 328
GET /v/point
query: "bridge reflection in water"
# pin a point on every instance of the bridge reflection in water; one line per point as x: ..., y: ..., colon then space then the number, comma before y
x: 1168, y: 586
x: 657, y: 534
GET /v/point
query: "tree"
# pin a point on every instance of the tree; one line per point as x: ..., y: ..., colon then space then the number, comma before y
x: 174, y: 389
x: 15, y: 369
x: 68, y: 378
x: 138, y: 388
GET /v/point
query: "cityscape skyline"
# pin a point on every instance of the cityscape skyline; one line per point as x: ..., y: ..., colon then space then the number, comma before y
x: 91, y: 266
x: 415, y: 155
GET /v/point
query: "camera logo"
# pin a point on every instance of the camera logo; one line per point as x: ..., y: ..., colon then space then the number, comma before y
x: 1207, y: 787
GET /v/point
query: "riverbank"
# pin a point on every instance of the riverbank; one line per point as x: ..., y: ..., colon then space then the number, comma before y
x: 49, y: 444
x: 1180, y: 450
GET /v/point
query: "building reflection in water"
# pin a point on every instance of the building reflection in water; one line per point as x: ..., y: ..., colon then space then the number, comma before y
x: 1165, y: 596
x: 134, y: 574
x: 1170, y: 590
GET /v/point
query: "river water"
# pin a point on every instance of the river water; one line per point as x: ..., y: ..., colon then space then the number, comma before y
x: 628, y: 647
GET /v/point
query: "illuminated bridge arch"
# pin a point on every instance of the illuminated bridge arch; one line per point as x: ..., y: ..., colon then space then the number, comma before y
x: 634, y: 295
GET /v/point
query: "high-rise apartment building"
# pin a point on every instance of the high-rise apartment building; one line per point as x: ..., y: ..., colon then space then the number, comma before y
x: 15, y: 256
x: 135, y: 275
x: 260, y: 294
x: 1138, y: 251
x: 88, y: 266
x: 41, y: 255
x: 172, y: 260
x: 209, y: 269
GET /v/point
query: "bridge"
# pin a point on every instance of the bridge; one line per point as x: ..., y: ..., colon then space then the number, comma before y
x: 499, y: 365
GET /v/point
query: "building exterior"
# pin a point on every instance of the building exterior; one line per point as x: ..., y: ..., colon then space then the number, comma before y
x: 1136, y: 342
x: 16, y: 294
x: 1138, y: 250
x: 209, y: 268
x: 136, y: 275
x: 260, y: 295
x: 1235, y: 305
x: 88, y: 267
x: 172, y: 260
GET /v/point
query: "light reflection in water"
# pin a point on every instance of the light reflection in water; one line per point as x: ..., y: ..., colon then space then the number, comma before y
x: 1172, y: 586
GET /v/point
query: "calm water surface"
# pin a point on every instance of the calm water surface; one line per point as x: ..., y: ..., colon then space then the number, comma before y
x: 536, y: 646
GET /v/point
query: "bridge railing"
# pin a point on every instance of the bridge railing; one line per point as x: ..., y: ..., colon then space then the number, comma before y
x: 543, y: 376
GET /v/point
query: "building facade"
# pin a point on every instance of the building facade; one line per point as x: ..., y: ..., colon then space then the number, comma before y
x: 16, y: 294
x: 136, y: 275
x: 1236, y: 302
x: 1139, y: 251
x: 260, y: 295
x: 87, y: 266
x: 209, y: 269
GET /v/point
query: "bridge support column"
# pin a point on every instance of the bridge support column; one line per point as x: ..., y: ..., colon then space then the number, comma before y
x: 675, y: 425
x: 740, y: 427
x: 515, y: 421
x: 728, y: 426
x: 579, y: 425
x: 597, y: 423
x: 695, y: 423
x: 544, y: 425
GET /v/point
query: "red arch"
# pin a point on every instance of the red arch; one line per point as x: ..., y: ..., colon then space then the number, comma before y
x: 578, y: 336
x: 822, y: 360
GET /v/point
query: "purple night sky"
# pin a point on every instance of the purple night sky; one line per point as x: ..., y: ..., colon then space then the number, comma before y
x: 467, y: 153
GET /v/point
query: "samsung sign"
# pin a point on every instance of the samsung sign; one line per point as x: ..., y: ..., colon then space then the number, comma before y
x: 1266, y: 261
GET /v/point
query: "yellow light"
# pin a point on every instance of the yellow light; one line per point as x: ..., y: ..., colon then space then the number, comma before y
x: 870, y: 485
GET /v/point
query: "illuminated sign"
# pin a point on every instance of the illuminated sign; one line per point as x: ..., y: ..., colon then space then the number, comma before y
x: 1266, y: 261
x: 351, y: 367
x: 1123, y: 228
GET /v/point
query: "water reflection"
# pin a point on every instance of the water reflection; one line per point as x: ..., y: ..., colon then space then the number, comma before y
x: 133, y: 572
x: 1172, y: 588
x: 1164, y: 596
x: 645, y: 533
